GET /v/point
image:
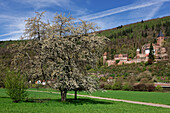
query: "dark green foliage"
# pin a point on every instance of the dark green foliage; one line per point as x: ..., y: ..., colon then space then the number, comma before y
x: 117, y: 61
x: 158, y: 88
x: 117, y: 86
x: 152, y: 27
x: 146, y: 27
x: 127, y: 87
x: 151, y: 53
x: 107, y: 86
x: 16, y: 86
x: 119, y: 27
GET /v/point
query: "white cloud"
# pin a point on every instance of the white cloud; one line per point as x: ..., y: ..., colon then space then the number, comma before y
x: 15, y: 37
x: 46, y: 3
x: 133, y: 6
x: 154, y: 10
x: 13, y: 26
x: 12, y: 33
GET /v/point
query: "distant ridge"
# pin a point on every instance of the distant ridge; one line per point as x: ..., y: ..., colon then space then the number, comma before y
x: 131, y: 24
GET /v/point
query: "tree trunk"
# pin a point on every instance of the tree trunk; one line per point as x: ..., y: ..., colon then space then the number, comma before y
x: 75, y: 96
x: 63, y: 95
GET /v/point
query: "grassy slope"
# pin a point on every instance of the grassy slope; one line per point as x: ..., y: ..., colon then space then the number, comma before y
x: 48, y: 102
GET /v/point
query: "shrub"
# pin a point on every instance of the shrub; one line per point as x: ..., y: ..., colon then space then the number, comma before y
x: 118, y: 83
x: 37, y: 86
x: 158, y: 88
x: 144, y: 87
x: 117, y: 86
x: 102, y: 85
x: 103, y: 79
x: 16, y: 86
x: 145, y: 74
x: 150, y: 87
x: 127, y: 87
x: 107, y: 86
x: 140, y: 87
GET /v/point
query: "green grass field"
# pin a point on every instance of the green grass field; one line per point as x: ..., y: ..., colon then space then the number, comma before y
x: 152, y: 97
x: 49, y: 102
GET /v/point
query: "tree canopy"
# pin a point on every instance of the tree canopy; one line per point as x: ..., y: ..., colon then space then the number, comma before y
x: 62, y: 56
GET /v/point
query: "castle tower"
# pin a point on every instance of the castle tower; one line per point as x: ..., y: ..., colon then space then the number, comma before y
x: 137, y: 53
x: 104, y: 57
x: 160, y: 38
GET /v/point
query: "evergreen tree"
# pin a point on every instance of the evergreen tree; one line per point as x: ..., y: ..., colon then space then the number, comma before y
x: 151, y: 53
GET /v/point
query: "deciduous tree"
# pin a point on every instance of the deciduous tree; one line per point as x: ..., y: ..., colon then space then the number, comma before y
x: 62, y: 58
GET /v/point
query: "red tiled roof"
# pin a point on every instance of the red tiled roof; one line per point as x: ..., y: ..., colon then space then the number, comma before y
x: 105, y: 53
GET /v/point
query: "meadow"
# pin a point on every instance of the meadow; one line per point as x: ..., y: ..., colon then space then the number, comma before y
x: 151, y: 97
x: 49, y: 102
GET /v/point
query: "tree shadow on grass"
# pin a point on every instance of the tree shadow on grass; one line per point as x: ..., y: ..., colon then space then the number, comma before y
x: 4, y: 97
x: 70, y: 101
x: 87, y: 101
x: 79, y: 101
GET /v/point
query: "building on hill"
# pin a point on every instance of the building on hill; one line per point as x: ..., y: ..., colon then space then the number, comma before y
x: 158, y: 50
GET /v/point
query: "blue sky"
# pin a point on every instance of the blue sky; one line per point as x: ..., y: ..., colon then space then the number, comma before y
x: 106, y: 13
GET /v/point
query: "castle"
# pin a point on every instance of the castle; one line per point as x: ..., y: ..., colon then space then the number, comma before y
x: 159, y: 53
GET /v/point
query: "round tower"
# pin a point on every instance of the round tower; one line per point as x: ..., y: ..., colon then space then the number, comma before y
x: 104, y: 57
x: 137, y: 53
x: 160, y: 38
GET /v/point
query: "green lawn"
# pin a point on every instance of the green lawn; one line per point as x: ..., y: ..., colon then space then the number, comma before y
x: 153, y: 97
x: 49, y: 102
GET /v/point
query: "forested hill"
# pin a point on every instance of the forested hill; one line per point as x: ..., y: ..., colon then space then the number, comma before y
x: 126, y: 39
x: 123, y: 39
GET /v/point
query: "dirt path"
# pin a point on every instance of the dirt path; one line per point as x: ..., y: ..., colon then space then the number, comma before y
x: 120, y: 100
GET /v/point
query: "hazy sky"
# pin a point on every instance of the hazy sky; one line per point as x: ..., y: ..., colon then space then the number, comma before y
x: 106, y: 13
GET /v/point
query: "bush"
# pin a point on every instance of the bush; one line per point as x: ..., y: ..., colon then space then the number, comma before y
x: 16, y: 86
x: 127, y: 87
x: 37, y: 86
x: 140, y: 87
x: 101, y: 85
x: 103, y: 79
x: 158, y: 88
x: 118, y: 83
x: 144, y: 87
x: 145, y: 74
x: 117, y: 86
x: 150, y: 87
x: 107, y: 86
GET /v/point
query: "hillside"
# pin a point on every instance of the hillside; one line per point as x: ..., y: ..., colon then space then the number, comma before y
x: 123, y: 39
x: 126, y: 39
